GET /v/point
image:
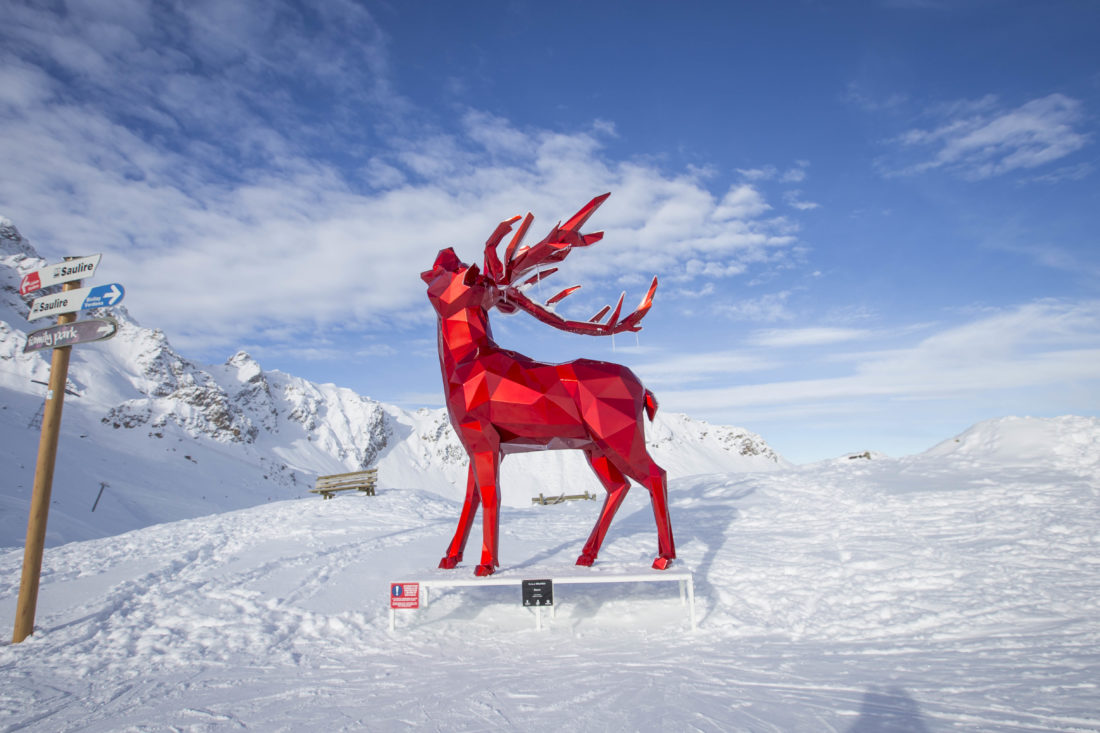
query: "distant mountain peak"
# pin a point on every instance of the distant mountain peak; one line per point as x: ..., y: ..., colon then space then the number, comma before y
x: 12, y: 242
x: 248, y: 369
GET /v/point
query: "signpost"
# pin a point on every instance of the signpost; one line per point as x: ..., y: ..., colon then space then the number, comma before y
x: 69, y: 301
x: 67, y: 334
x: 43, y: 485
x: 60, y: 338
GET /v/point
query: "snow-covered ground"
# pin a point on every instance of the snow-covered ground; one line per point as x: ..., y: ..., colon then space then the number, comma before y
x: 958, y: 589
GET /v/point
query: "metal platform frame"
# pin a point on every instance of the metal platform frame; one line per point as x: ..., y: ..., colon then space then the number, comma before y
x: 683, y: 577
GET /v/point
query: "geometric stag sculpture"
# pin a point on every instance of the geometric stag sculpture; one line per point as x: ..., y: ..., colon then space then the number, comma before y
x: 501, y: 402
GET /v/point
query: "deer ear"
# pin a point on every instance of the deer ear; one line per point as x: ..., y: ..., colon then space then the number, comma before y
x: 448, y: 260
x: 471, y: 276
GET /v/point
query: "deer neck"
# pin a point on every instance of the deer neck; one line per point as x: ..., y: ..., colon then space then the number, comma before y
x: 464, y: 336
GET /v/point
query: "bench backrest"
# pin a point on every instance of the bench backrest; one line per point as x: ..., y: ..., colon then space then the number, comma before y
x: 355, y: 478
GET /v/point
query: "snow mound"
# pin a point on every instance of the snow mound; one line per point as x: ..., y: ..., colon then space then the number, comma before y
x: 1070, y: 441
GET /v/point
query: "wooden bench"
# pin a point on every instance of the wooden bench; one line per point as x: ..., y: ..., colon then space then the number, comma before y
x: 544, y: 500
x: 364, y: 481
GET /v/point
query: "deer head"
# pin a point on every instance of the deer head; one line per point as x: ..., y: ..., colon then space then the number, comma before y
x: 502, y: 283
x: 453, y: 285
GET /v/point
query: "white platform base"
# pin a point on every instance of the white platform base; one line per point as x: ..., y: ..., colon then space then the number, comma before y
x: 681, y: 576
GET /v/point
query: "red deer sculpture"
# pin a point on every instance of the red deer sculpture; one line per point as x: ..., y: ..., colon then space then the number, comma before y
x: 501, y: 402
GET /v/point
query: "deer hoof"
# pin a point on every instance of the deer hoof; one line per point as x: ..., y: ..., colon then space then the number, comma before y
x: 483, y: 570
x: 662, y: 563
x: 586, y: 560
x: 450, y: 562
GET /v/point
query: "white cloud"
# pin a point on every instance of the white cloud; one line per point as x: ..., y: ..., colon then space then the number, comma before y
x: 796, y: 174
x: 695, y: 267
x: 766, y: 173
x: 22, y: 85
x: 780, y: 338
x: 228, y: 223
x: 226, y: 213
x: 794, y: 200
x: 978, y: 140
x: 690, y: 368
x: 741, y: 202
x: 766, y: 308
x: 1053, y: 256
x: 1075, y: 172
x: 1045, y: 345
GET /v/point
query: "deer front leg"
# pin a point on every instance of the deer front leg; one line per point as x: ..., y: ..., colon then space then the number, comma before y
x: 486, y: 467
x: 465, y: 521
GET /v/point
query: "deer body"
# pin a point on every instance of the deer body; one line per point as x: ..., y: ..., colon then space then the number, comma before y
x: 502, y: 402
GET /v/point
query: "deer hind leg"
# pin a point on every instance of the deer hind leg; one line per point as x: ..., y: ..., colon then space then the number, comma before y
x: 485, y: 466
x: 465, y: 521
x: 652, y: 476
x: 616, y: 485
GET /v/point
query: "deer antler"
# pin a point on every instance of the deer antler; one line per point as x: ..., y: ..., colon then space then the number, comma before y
x: 520, y: 261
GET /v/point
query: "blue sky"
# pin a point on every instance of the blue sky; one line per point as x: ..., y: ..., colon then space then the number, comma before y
x: 874, y: 223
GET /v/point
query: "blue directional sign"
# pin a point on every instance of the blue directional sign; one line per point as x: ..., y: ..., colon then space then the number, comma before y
x: 102, y: 296
x: 68, y: 301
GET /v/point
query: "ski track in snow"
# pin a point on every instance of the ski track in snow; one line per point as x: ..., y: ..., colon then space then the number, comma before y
x: 911, y: 594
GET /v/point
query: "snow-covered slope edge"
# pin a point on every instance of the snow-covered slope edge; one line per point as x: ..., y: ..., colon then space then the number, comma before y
x: 141, y: 418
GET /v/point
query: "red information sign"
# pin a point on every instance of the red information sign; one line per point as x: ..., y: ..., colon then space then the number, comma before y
x: 30, y: 283
x: 404, y: 595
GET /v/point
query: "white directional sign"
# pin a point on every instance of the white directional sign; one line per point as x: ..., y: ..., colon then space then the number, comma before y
x: 70, y: 301
x: 76, y: 268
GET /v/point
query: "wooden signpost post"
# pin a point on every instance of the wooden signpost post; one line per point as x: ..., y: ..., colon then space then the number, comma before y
x: 68, y: 273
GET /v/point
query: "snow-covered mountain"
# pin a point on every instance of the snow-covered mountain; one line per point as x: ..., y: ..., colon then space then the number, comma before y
x: 165, y: 438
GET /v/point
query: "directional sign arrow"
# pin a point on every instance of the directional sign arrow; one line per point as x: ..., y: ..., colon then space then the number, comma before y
x: 69, y: 301
x: 67, y: 334
x: 74, y: 268
x: 103, y: 295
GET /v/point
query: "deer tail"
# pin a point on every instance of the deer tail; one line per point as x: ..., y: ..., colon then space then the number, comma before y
x: 650, y: 405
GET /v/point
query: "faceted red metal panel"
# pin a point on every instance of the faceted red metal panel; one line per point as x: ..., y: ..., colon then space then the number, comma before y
x: 503, y: 402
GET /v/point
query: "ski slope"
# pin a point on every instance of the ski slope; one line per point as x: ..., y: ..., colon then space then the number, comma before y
x: 952, y: 590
